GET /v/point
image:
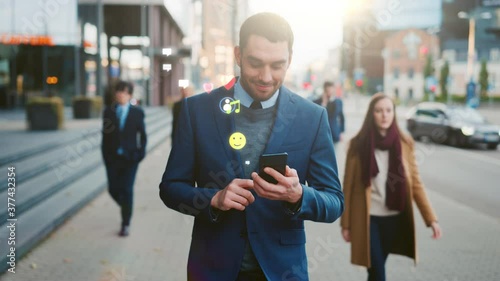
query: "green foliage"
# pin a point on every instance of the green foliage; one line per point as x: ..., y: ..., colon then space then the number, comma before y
x: 428, y: 69
x: 458, y: 99
x: 443, y: 80
x: 483, y: 79
x: 87, y: 107
x: 96, y: 101
x: 56, y: 105
x: 495, y: 99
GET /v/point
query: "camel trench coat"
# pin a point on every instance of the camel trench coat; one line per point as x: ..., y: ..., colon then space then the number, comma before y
x: 356, y: 215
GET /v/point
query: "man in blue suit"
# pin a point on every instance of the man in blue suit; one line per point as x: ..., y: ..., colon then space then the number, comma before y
x: 246, y: 228
x: 335, y: 110
x: 123, y: 147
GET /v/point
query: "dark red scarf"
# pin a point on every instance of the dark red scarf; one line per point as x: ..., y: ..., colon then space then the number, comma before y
x: 396, y: 180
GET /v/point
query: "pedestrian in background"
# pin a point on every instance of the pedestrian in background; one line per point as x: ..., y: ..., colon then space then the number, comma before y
x: 185, y: 93
x: 334, y: 106
x: 123, y: 147
x: 246, y: 228
x: 381, y: 181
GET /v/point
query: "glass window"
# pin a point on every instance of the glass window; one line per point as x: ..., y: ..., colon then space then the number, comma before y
x: 462, y: 55
x: 411, y: 73
x: 495, y: 54
x: 396, y: 73
x: 428, y: 114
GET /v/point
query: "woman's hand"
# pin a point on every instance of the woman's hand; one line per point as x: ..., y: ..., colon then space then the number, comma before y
x: 346, y: 234
x: 436, y: 230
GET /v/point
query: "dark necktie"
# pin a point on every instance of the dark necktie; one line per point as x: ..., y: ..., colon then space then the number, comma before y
x: 256, y: 105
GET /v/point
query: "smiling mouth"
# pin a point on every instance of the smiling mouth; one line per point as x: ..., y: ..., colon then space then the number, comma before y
x: 260, y: 86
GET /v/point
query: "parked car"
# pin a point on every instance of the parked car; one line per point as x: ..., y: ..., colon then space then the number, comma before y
x: 455, y: 125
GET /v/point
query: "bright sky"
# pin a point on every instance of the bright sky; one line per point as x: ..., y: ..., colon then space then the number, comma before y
x: 317, y: 25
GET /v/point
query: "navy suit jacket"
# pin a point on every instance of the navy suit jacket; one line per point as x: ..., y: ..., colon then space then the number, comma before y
x: 132, y: 138
x: 335, y: 117
x: 201, y: 163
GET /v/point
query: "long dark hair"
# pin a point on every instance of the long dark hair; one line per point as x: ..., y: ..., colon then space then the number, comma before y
x: 359, y: 141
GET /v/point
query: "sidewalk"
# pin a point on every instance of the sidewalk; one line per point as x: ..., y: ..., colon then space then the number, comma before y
x: 16, y: 138
x: 87, y: 246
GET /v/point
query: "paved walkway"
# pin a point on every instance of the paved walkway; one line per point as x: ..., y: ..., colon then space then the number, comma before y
x: 16, y: 138
x: 87, y: 247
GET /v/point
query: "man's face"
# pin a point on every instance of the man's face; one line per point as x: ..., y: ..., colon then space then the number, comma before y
x: 123, y: 97
x: 263, y: 66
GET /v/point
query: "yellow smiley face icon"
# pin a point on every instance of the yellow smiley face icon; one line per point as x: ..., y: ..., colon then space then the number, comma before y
x: 237, y: 140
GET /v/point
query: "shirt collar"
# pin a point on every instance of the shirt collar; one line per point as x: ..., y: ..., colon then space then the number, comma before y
x: 246, y: 100
x: 125, y: 106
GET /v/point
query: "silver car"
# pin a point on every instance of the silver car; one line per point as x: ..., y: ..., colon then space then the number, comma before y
x: 455, y: 125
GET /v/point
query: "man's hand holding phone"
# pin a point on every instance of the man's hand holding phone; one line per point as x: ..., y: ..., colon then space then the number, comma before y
x: 287, y: 188
x: 275, y: 181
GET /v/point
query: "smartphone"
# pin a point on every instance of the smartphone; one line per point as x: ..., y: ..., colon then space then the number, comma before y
x: 276, y: 161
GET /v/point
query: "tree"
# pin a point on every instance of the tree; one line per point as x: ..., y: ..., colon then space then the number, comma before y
x: 443, y: 81
x: 428, y: 71
x: 483, y: 79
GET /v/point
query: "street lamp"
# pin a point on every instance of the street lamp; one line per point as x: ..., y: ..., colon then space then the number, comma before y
x: 471, y: 98
x: 472, y: 38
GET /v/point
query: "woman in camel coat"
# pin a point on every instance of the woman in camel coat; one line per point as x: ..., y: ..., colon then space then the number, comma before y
x: 381, y: 181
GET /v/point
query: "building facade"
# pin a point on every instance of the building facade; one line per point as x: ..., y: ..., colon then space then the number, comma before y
x: 37, y: 48
x: 221, y: 20
x: 139, y: 43
x: 367, y: 25
x: 455, y: 34
x: 80, y: 47
x: 458, y: 79
x: 405, y: 56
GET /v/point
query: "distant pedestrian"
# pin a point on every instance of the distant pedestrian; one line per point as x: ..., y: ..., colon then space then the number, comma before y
x: 381, y: 181
x: 123, y: 147
x: 185, y: 93
x: 331, y: 100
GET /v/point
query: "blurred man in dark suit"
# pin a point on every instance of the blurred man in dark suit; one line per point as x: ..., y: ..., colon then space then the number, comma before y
x: 334, y: 107
x: 123, y: 147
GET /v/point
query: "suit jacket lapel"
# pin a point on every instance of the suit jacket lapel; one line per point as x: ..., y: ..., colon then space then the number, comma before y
x: 285, y: 115
x: 128, y: 118
x: 225, y: 125
x: 114, y: 119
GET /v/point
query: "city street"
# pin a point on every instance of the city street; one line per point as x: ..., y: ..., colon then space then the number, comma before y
x: 468, y: 175
x: 462, y: 186
x: 73, y: 72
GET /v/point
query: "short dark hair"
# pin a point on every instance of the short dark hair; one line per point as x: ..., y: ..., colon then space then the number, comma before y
x: 268, y: 25
x: 124, y: 85
x: 328, y: 84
